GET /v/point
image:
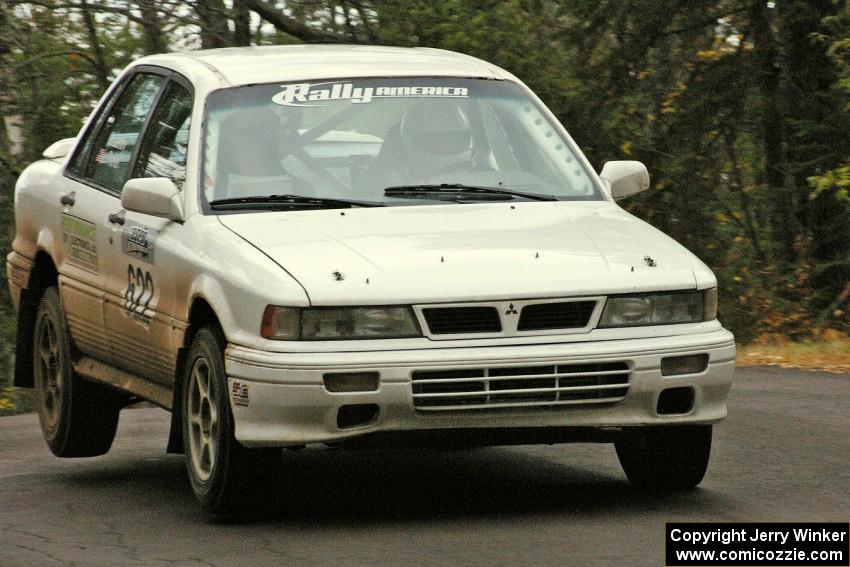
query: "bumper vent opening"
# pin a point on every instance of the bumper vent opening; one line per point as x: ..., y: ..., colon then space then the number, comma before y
x: 520, y: 386
x: 352, y: 415
x: 675, y: 401
x: 689, y: 364
x: 351, y: 381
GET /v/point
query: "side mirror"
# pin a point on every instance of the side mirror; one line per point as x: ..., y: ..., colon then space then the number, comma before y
x: 155, y: 196
x: 625, y: 178
x: 58, y: 150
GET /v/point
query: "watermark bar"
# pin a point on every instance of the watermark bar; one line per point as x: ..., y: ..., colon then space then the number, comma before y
x: 766, y: 544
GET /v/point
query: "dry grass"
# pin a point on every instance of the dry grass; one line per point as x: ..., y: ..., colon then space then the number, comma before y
x: 830, y: 352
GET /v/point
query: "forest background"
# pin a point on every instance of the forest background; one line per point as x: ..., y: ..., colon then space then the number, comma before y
x: 739, y: 108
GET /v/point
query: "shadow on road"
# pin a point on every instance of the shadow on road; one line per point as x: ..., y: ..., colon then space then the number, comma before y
x: 361, y: 488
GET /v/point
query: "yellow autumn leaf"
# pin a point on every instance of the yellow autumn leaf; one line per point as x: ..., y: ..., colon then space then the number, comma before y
x: 626, y: 148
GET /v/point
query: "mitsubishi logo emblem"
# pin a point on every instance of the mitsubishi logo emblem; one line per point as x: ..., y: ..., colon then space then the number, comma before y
x: 511, y: 310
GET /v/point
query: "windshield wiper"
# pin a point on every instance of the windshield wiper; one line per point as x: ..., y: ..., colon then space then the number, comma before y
x: 290, y: 201
x: 460, y: 190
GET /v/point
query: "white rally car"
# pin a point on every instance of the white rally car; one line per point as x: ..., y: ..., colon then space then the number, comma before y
x: 354, y: 246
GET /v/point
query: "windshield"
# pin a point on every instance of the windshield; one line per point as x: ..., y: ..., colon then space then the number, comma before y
x: 359, y: 139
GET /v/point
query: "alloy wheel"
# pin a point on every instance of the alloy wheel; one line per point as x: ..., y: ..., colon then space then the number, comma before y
x: 203, y: 419
x: 50, y: 373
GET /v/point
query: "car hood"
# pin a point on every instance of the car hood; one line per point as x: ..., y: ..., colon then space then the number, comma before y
x: 470, y: 252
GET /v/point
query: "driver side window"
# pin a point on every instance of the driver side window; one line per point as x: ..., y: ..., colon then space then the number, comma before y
x: 108, y: 158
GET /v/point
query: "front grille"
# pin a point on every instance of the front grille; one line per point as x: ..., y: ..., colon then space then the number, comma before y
x: 519, y: 386
x: 457, y: 320
x: 545, y: 316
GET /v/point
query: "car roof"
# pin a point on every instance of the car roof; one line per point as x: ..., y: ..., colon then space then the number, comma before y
x: 237, y: 66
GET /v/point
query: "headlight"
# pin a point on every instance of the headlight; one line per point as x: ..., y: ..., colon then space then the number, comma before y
x: 659, y: 308
x: 337, y: 323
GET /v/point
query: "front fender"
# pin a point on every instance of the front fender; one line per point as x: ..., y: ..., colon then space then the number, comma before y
x: 238, y: 281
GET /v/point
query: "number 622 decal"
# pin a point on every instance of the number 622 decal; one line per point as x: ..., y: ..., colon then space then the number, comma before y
x: 140, y: 291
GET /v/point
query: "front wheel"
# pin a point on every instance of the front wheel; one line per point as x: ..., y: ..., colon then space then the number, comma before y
x: 218, y: 466
x: 665, y: 457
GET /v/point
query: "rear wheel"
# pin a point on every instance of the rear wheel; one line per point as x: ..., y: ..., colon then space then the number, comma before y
x: 219, y: 467
x: 667, y: 457
x: 78, y: 418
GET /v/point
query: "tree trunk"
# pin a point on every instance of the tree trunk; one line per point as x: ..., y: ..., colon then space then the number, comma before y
x: 349, y: 26
x: 101, y: 69
x: 783, y: 221
x: 291, y: 26
x: 241, y: 23
x: 212, y: 17
x: 154, y: 41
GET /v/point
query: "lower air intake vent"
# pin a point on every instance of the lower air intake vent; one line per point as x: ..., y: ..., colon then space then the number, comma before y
x: 519, y: 386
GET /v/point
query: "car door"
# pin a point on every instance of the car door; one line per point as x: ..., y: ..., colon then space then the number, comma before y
x: 89, y: 193
x: 143, y: 259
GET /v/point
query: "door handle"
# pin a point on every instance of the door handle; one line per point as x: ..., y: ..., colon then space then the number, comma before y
x: 116, y: 218
x: 68, y: 199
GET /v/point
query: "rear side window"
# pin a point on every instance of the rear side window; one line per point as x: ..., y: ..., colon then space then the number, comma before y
x: 108, y: 155
x: 163, y: 150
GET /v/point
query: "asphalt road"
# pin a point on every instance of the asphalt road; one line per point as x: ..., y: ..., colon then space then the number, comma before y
x: 782, y: 455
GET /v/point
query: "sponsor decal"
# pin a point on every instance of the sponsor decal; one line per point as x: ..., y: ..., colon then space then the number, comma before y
x: 239, y: 391
x: 79, y: 240
x: 138, y: 242
x: 314, y: 94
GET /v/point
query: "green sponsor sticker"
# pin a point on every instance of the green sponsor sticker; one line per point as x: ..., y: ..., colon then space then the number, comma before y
x: 79, y: 238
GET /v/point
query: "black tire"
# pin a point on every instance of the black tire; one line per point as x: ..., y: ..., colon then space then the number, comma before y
x: 220, y: 469
x: 78, y: 417
x: 666, y: 457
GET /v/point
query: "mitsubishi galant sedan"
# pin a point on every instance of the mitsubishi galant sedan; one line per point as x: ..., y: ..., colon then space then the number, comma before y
x: 357, y: 247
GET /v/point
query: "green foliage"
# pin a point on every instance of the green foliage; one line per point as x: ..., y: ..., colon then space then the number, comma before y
x: 737, y: 113
x: 836, y: 181
x: 10, y: 400
x: 740, y: 109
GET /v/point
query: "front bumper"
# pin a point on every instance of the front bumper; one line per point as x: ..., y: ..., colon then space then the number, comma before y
x: 279, y: 399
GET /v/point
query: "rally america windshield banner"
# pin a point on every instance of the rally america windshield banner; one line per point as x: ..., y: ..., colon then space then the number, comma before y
x: 314, y: 94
